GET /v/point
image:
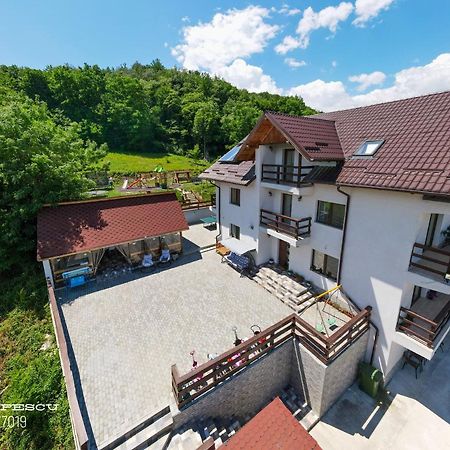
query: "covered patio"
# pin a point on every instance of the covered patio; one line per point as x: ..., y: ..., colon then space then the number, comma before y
x: 78, y: 241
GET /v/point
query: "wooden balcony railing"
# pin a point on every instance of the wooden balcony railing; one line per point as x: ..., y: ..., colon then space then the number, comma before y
x: 188, y: 387
x: 198, y: 204
x: 284, y: 174
x: 295, y: 228
x: 420, y: 327
x: 430, y: 259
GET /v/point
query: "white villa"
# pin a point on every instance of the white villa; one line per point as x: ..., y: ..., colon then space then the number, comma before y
x: 358, y: 198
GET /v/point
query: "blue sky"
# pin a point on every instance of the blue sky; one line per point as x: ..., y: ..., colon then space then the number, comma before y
x: 336, y: 54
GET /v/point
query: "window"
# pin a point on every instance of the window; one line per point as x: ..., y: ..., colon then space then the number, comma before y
x: 235, y: 231
x: 369, y: 148
x: 324, y: 264
x: 332, y: 214
x: 235, y: 197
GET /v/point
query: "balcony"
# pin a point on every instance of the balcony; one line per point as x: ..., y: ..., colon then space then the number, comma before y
x: 296, y: 229
x: 432, y: 263
x: 425, y: 321
x: 285, y: 175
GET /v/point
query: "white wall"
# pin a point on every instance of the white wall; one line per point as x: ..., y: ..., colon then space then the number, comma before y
x: 246, y: 216
x: 382, y: 228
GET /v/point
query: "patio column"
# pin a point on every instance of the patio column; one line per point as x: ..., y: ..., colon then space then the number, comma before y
x: 48, y: 271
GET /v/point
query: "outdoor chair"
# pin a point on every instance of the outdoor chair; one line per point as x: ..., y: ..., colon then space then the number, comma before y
x: 413, y: 360
x: 147, y: 262
x: 165, y: 257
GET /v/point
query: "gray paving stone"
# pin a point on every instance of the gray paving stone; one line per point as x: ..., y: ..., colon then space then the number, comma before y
x: 127, y: 333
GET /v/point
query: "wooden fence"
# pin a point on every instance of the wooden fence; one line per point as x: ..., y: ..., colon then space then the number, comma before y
x: 79, y: 430
x: 188, y: 387
x: 187, y: 205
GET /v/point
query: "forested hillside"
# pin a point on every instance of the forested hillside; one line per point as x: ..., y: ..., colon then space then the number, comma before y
x: 149, y: 107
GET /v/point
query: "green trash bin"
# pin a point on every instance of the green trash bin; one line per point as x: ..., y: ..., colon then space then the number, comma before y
x: 369, y: 379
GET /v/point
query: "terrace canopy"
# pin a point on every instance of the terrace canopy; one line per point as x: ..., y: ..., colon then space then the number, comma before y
x: 75, y: 235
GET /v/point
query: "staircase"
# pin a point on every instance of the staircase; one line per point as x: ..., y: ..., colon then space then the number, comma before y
x: 193, y: 435
x: 151, y: 432
x: 294, y: 294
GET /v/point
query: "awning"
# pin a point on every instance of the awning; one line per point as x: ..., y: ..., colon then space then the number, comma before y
x: 238, y: 246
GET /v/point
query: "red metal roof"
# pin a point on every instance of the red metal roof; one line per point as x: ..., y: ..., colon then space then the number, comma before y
x: 316, y: 139
x: 415, y: 155
x: 81, y: 226
x: 272, y: 428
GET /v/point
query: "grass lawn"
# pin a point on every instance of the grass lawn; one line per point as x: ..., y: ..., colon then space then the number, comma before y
x: 129, y: 162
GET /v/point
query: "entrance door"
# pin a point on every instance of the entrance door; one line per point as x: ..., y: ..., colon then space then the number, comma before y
x: 283, y: 254
x: 288, y: 165
x: 431, y: 229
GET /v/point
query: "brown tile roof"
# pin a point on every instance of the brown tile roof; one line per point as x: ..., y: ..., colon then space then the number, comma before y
x: 242, y: 173
x: 81, y: 226
x: 272, y: 428
x: 316, y: 139
x: 415, y: 156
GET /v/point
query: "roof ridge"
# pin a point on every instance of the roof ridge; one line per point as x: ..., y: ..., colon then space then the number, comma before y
x: 315, y: 116
x: 298, y: 117
x: 119, y: 197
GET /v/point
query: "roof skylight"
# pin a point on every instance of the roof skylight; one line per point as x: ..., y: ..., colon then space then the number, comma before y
x: 369, y: 148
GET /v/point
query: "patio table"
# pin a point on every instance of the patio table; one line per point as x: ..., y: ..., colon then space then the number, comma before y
x: 207, y: 221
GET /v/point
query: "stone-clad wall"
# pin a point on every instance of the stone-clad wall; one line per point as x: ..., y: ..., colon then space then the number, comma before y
x: 246, y: 393
x: 323, y: 385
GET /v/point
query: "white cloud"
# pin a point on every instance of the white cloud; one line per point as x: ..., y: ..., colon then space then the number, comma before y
x: 419, y: 80
x: 334, y: 64
x: 247, y: 76
x: 322, y: 95
x: 228, y: 36
x: 328, y: 17
x: 294, y: 63
x: 289, y: 43
x: 286, y: 9
x: 368, y: 9
x: 365, y: 80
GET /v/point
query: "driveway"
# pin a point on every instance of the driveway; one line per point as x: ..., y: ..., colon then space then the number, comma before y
x: 126, y: 334
x: 418, y: 418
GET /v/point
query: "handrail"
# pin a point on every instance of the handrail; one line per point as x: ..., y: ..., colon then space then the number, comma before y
x: 283, y: 174
x: 278, y: 222
x: 405, y: 324
x: 422, y: 259
x: 191, y: 385
x: 78, y: 427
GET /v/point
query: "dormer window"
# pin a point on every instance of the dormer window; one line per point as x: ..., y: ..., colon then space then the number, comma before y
x: 369, y: 148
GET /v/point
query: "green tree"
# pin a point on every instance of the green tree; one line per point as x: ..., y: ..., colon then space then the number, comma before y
x: 42, y: 160
x: 206, y: 123
x: 238, y: 120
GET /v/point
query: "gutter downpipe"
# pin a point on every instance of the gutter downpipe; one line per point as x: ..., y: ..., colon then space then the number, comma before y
x: 341, y: 259
x: 218, y: 199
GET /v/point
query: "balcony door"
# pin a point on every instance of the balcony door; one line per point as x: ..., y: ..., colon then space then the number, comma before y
x: 431, y: 232
x: 288, y: 165
x: 286, y: 210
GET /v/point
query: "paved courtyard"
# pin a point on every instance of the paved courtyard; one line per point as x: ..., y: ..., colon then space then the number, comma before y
x: 418, y: 418
x: 126, y: 334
